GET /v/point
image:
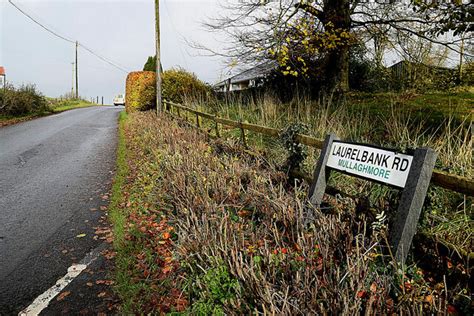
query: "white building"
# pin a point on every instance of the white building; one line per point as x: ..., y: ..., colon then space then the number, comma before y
x: 250, y: 78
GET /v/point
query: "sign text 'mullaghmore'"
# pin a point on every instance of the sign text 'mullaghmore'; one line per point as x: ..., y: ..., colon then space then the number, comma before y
x: 370, y: 163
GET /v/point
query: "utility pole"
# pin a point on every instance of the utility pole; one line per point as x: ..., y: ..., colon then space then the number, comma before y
x: 159, y: 106
x: 77, y: 83
x: 72, y: 86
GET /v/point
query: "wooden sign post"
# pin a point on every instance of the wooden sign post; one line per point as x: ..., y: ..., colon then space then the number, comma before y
x: 410, y: 173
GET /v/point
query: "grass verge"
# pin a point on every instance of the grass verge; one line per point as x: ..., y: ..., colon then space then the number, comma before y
x: 62, y: 106
x: 206, y: 229
x: 69, y: 105
x: 117, y: 217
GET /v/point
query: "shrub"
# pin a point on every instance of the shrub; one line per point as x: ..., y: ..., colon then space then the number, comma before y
x: 22, y: 100
x: 179, y: 85
x: 150, y: 64
x: 468, y: 74
x: 140, y: 91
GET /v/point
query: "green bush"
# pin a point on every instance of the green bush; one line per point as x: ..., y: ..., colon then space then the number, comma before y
x: 468, y: 74
x: 22, y: 100
x: 180, y: 85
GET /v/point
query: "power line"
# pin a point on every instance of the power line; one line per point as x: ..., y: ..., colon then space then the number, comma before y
x: 44, y: 27
x: 109, y: 61
x: 104, y: 59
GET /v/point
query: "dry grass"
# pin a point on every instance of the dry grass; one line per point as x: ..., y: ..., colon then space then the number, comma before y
x: 239, y: 241
x: 393, y: 124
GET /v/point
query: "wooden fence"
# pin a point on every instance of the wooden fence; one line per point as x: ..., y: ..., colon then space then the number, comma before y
x: 439, y: 178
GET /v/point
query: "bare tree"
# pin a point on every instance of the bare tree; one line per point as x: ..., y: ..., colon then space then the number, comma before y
x: 296, y: 32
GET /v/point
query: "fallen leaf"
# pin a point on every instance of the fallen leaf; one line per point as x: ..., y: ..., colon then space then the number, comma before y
x: 373, y: 288
x: 109, y: 254
x: 408, y: 286
x: 429, y: 299
x: 62, y: 296
x: 452, y: 310
x: 106, y: 282
x: 81, y: 235
x: 89, y: 284
x: 64, y: 251
x: 167, y: 269
x: 243, y: 213
x: 101, y: 294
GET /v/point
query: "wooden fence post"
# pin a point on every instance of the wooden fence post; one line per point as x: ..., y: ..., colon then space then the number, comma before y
x: 242, y: 132
x: 411, y: 202
x: 217, y: 127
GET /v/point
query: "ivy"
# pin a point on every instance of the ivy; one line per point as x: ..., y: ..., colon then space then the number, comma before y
x: 297, y: 151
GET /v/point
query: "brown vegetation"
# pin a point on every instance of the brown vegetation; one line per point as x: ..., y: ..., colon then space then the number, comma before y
x: 140, y: 91
x: 212, y: 230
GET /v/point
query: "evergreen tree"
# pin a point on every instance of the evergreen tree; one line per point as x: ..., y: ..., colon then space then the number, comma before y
x: 150, y: 64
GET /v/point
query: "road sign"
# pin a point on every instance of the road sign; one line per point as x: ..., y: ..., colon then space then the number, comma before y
x: 370, y: 162
x: 410, y: 173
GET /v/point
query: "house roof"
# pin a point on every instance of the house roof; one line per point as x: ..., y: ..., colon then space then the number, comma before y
x: 258, y: 71
x: 406, y: 62
x: 2, y: 71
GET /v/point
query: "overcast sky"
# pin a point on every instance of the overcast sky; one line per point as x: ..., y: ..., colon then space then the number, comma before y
x: 121, y: 30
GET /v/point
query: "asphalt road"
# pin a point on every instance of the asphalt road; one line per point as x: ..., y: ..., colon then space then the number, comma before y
x: 54, y: 172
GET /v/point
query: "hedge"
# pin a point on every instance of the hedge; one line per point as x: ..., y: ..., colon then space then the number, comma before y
x: 180, y: 85
x: 140, y: 91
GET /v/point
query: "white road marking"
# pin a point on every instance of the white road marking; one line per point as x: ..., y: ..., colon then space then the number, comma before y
x: 42, y: 301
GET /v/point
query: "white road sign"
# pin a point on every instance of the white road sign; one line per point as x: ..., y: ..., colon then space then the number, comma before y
x: 371, y: 163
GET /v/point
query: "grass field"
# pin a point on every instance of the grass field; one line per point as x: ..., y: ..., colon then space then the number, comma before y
x: 433, y: 108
